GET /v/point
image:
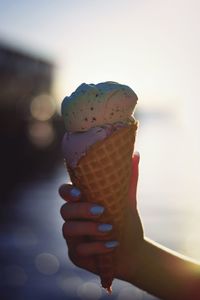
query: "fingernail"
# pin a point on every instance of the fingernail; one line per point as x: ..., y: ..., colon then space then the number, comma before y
x: 97, y: 210
x: 74, y: 192
x: 112, y: 244
x: 105, y: 227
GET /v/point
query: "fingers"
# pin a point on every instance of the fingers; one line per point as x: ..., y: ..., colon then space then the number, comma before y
x: 70, y: 193
x: 81, y: 210
x: 134, y: 179
x: 95, y: 248
x: 83, y: 228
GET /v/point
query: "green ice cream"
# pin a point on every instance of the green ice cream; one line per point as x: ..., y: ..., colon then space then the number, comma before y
x: 97, y: 105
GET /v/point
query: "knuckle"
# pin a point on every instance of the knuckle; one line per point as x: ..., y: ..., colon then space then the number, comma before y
x: 71, y: 256
x: 66, y: 211
x: 63, y: 210
x: 64, y: 190
x: 74, y: 257
x: 65, y: 230
x: 61, y: 190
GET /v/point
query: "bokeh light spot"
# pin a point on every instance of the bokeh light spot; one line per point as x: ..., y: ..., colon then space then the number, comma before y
x: 130, y: 293
x: 15, y: 275
x: 90, y: 291
x: 47, y: 263
x: 41, y: 134
x: 42, y: 107
x: 70, y: 284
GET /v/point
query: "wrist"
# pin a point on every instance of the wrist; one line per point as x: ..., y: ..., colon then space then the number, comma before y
x: 132, y: 264
x: 136, y: 263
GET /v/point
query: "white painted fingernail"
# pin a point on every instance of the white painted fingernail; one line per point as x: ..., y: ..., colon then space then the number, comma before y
x: 75, y: 192
x: 105, y: 227
x: 112, y: 244
x: 96, y: 210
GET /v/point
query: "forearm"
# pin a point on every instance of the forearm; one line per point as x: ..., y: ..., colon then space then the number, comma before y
x: 166, y: 274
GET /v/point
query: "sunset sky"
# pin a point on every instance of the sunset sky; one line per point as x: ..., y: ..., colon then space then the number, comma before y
x: 153, y: 46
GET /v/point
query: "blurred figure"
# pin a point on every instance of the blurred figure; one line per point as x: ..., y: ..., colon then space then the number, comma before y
x: 28, y: 118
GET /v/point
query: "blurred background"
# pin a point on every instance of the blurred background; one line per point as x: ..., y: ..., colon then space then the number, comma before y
x: 47, y: 49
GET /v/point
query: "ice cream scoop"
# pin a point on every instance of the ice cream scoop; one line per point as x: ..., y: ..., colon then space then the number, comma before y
x: 96, y: 105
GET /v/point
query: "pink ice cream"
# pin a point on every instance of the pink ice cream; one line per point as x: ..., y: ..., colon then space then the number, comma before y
x: 75, y: 145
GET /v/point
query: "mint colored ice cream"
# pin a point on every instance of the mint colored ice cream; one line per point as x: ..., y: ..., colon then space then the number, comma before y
x: 92, y: 113
x: 96, y: 105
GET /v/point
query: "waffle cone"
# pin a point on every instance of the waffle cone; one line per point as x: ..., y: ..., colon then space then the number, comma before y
x: 103, y: 176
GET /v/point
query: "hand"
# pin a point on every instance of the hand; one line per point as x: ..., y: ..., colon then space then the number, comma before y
x: 85, y: 239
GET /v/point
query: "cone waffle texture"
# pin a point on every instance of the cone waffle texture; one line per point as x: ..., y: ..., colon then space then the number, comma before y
x: 103, y: 176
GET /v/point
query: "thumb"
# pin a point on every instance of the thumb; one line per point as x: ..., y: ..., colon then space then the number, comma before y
x: 134, y: 179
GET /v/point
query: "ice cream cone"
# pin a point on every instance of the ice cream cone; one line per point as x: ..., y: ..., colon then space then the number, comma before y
x: 103, y: 176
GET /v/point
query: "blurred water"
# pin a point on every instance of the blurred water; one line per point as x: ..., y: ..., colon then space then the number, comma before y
x: 34, y: 254
x: 169, y: 185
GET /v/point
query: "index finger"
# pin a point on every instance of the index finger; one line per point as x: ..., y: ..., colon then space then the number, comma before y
x: 69, y: 192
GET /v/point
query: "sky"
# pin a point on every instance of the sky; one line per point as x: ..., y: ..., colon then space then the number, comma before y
x: 151, y: 45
